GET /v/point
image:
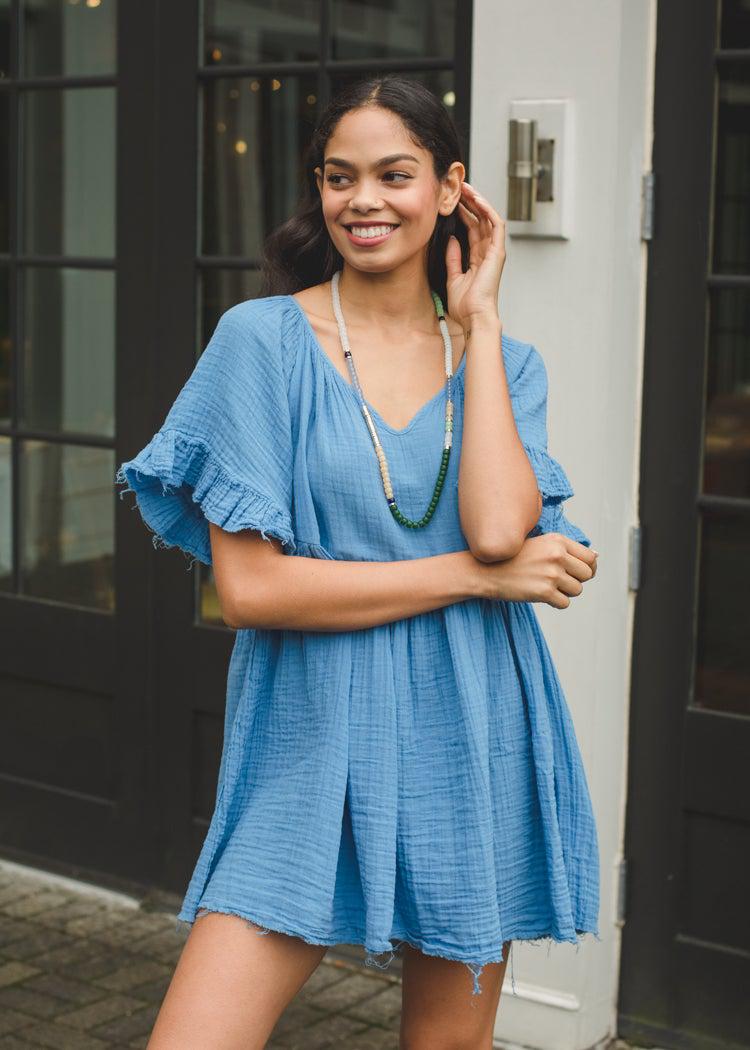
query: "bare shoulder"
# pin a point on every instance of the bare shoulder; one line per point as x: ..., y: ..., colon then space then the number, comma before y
x: 314, y: 300
x: 316, y: 304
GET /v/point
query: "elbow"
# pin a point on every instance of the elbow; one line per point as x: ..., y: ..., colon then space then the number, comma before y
x: 261, y: 607
x: 238, y: 612
x: 494, y: 540
x: 247, y: 578
x: 230, y: 615
x: 499, y: 547
x: 506, y: 544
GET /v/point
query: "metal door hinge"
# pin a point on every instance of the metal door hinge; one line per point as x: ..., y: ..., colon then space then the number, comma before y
x: 648, y: 193
x: 634, y: 558
x: 622, y: 875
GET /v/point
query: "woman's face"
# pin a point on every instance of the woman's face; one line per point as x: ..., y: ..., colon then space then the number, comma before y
x: 379, y: 192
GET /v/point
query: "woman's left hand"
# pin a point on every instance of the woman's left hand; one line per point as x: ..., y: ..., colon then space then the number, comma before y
x: 474, y: 294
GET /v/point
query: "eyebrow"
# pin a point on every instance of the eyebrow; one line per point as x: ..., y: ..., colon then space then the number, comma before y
x: 383, y: 160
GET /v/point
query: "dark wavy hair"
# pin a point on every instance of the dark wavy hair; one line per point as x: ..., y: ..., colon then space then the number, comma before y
x: 299, y: 253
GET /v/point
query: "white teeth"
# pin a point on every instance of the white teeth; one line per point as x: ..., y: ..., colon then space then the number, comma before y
x: 371, y: 231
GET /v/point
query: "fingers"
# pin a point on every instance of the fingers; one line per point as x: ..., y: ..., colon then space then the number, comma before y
x: 481, y: 206
x: 471, y: 220
x: 579, y: 551
x: 476, y: 223
x: 572, y: 580
x: 453, y: 266
x: 573, y: 564
x: 577, y: 567
x: 472, y: 224
x: 482, y: 210
x: 469, y: 201
x: 479, y: 229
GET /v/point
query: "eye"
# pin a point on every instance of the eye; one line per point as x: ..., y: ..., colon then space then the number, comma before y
x: 333, y: 179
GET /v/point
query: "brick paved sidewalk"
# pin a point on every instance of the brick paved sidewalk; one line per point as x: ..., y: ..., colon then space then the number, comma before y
x: 86, y: 969
x: 83, y: 968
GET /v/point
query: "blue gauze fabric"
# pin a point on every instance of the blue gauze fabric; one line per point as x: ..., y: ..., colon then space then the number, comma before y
x: 418, y: 781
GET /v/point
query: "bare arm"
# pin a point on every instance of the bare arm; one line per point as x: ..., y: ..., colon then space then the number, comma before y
x: 259, y: 586
x: 498, y: 499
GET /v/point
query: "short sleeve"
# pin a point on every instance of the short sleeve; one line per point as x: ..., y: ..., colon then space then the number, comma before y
x: 529, y: 401
x: 224, y: 452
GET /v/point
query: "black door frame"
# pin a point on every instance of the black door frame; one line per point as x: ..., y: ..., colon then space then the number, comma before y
x: 61, y: 662
x: 675, y: 990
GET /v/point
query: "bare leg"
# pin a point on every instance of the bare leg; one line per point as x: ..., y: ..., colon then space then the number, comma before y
x: 438, y: 1010
x: 231, y: 985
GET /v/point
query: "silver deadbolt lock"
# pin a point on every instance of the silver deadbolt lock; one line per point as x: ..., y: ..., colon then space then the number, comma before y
x: 530, y: 169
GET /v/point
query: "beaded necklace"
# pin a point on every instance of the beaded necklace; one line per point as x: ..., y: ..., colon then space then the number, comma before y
x: 387, y: 487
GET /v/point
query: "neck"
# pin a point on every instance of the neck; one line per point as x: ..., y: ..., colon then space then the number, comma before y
x: 401, y: 295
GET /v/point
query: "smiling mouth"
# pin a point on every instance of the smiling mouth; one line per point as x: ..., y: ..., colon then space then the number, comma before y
x: 366, y: 234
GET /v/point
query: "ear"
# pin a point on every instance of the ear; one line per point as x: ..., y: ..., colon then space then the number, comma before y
x: 318, y: 178
x: 450, y: 188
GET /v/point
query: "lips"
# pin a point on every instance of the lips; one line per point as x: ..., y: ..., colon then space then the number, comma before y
x: 366, y: 234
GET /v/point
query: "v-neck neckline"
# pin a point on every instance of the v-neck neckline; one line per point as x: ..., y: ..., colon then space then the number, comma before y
x: 350, y: 388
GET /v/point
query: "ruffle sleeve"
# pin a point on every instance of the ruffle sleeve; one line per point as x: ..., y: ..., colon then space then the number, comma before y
x: 529, y: 401
x: 224, y: 452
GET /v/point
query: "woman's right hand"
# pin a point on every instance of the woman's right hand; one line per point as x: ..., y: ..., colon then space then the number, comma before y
x: 550, y: 568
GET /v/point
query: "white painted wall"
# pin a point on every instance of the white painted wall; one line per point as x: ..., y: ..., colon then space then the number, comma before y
x: 581, y: 303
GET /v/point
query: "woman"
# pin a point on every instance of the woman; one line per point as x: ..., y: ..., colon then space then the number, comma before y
x: 369, y: 477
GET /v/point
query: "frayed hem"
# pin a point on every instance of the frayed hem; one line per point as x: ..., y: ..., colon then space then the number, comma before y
x: 251, y: 510
x: 158, y: 542
x: 474, y: 968
x: 535, y: 941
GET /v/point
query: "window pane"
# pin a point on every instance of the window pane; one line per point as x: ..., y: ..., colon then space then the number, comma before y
x: 4, y: 39
x: 254, y: 134
x: 69, y: 171
x: 732, y: 176
x: 69, y: 336
x: 735, y: 23
x: 722, y: 679
x: 6, y: 541
x: 69, y: 37
x: 208, y: 605
x: 5, y: 346
x: 393, y: 28
x: 726, y: 462
x: 67, y: 523
x: 257, y: 31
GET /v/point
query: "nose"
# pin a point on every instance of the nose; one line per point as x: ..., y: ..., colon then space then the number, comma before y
x: 364, y: 199
x: 365, y: 204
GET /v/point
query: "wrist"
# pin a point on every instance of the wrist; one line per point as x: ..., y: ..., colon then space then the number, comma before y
x: 473, y: 578
x: 484, y: 321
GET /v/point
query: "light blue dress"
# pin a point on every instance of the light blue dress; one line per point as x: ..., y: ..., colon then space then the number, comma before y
x: 417, y: 781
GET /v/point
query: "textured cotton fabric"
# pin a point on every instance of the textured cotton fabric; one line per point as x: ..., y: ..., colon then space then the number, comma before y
x: 418, y: 781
